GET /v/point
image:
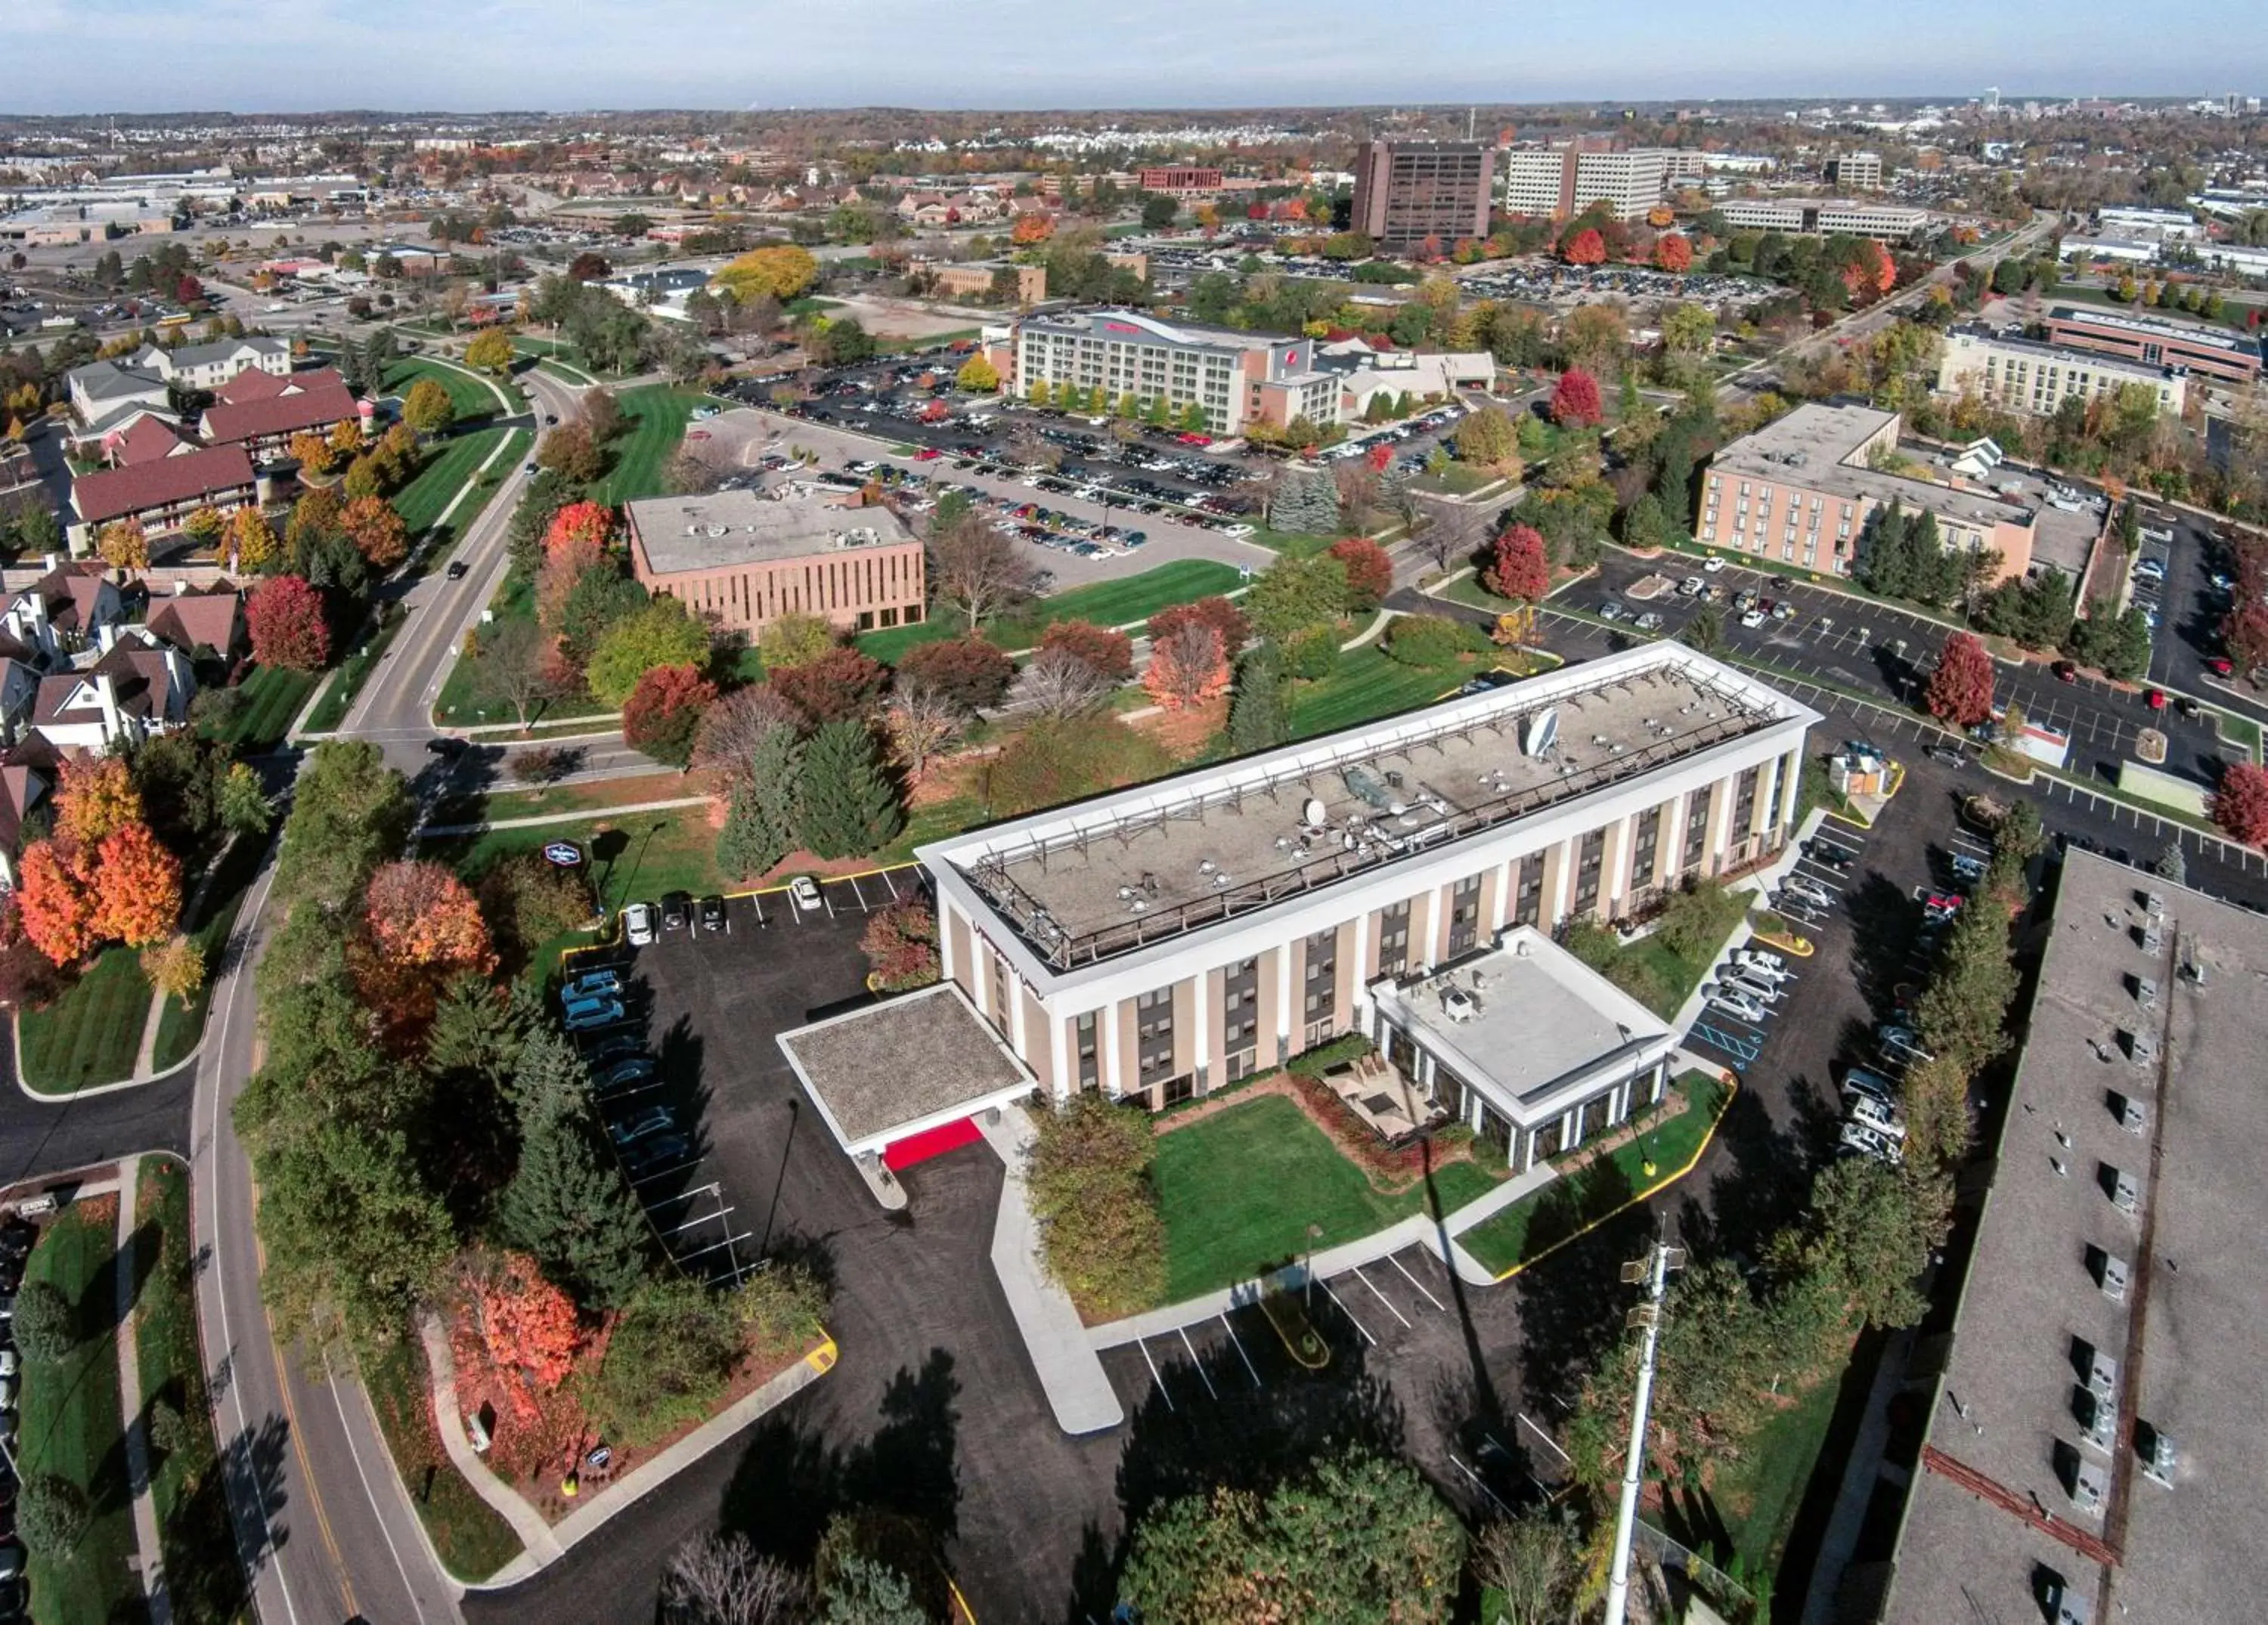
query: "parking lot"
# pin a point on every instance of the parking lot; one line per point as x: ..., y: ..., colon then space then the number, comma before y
x: 1541, y: 280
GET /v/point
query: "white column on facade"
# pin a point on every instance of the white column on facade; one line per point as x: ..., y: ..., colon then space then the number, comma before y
x: 1016, y: 1003
x: 1113, y: 1071
x: 1504, y: 898
x: 1283, y: 1010
x: 982, y: 978
x: 1563, y: 900
x: 945, y: 919
x: 1361, y: 958
x: 1059, y: 1057
x: 1569, y: 1126
x: 1200, y: 1052
x: 1669, y: 851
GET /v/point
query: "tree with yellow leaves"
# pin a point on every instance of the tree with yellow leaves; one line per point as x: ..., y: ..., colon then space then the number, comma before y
x: 780, y: 272
x: 346, y: 436
x: 251, y: 540
x: 313, y: 452
x: 124, y: 544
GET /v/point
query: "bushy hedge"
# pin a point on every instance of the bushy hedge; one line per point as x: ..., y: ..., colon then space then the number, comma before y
x: 1432, y: 640
x: 1100, y: 1230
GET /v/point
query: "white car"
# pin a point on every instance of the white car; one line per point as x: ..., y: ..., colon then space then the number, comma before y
x: 1738, y: 1004
x: 1712, y: 565
x: 803, y: 892
x: 1864, y: 1142
x: 638, y: 924
x: 1756, y: 962
x: 1754, y: 619
x: 1883, y: 1119
x: 1752, y: 987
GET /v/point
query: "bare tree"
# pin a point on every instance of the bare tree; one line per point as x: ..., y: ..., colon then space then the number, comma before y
x: 602, y: 416
x: 1533, y: 1561
x: 922, y: 724
x: 734, y: 733
x: 720, y: 1579
x: 1026, y: 446
x: 1059, y: 684
x: 699, y: 467
x: 512, y: 666
x: 978, y: 569
x: 1452, y: 533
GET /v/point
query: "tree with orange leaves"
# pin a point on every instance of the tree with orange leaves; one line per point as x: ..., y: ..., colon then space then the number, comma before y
x: 376, y: 528
x: 97, y: 798
x: 565, y: 560
x: 1187, y: 668
x: 579, y: 523
x: 527, y: 1330
x: 1031, y: 227
x: 420, y: 915
x: 56, y: 900
x: 1585, y: 247
x: 1674, y: 253
x: 138, y: 887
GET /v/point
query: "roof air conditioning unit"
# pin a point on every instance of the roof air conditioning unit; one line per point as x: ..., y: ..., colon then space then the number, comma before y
x: 2158, y: 1465
x: 2126, y: 1194
x: 1458, y: 1005
x: 2087, y: 1486
x: 2115, y: 1276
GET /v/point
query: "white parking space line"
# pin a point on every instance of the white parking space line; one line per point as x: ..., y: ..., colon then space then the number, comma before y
x: 1458, y: 1463
x: 1350, y: 1313
x: 663, y: 1174
x: 1202, y: 1375
x: 687, y: 1257
x: 699, y: 1219
x: 1550, y: 1444
x: 1381, y: 1297
x: 1157, y: 1377
x: 828, y: 900
x: 892, y: 884
x: 1395, y: 1260
x: 1250, y: 1369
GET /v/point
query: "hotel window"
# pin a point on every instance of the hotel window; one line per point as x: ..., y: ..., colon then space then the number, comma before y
x: 1646, y: 835
x: 1154, y: 1034
x: 1744, y: 803
x: 1240, y: 1008
x: 1464, y: 915
x: 1527, y: 891
x: 1590, y: 859
x: 1394, y: 939
x: 1322, y: 957
x: 1000, y: 1006
x: 1089, y: 1057
x: 1696, y: 825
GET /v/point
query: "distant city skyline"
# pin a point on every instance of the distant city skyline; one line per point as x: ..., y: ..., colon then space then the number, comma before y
x: 91, y: 56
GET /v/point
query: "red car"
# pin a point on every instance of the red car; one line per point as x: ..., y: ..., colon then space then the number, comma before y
x: 2155, y: 698
x: 2066, y: 671
x: 2221, y: 665
x: 1194, y: 438
x: 927, y: 454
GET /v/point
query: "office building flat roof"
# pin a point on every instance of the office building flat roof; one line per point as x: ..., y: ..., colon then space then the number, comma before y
x: 1812, y: 447
x: 725, y: 528
x: 2180, y: 1137
x: 2156, y: 327
x: 1135, y: 867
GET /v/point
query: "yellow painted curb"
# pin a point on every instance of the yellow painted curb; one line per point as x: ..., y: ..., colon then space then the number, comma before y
x: 1733, y: 1084
x: 822, y: 1358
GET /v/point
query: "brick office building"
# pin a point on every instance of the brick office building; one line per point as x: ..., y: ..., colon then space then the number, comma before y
x: 1407, y: 191
x: 744, y: 558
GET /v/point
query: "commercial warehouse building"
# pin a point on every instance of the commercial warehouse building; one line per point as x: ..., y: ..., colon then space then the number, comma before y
x: 2091, y: 1449
x: 1176, y: 935
x: 1179, y: 180
x: 746, y: 558
x: 1801, y: 490
x: 1235, y: 377
x: 2024, y: 375
x: 2156, y: 342
x: 1407, y: 191
x: 1824, y: 217
x: 1554, y: 182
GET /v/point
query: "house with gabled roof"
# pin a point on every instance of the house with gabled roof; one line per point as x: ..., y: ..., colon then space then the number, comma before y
x: 134, y: 691
x: 68, y: 608
x: 162, y: 493
x: 199, y: 618
x: 261, y: 411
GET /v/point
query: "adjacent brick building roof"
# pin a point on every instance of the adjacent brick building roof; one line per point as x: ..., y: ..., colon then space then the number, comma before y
x: 113, y: 494
x: 308, y: 400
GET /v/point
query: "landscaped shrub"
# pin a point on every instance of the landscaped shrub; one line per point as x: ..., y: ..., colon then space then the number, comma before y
x: 1100, y: 1230
x: 667, y: 1363
x: 1052, y: 762
x: 1430, y: 640
x: 47, y: 1325
x: 52, y: 1515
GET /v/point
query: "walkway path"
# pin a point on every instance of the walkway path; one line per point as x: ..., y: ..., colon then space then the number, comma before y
x: 570, y: 816
x: 130, y: 1405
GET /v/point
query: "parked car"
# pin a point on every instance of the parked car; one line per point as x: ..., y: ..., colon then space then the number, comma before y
x: 663, y: 1151
x: 710, y: 915
x: 604, y: 1014
x: 1818, y: 896
x: 1857, y: 1139
x: 1612, y: 610
x: 803, y: 892
x: 1713, y: 564
x: 676, y: 910
x: 1902, y: 1040
x: 1758, y: 962
x: 2155, y: 698
x: 1883, y: 1119
x: 1754, y: 619
x: 1967, y: 869
x: 592, y: 983
x: 620, y: 1047
x: 1859, y: 1080
x: 1648, y: 623
x: 638, y: 921
x: 585, y: 1005
x: 1756, y: 987
x: 2065, y: 672
x: 1738, y: 1004
x: 1827, y: 854
x: 652, y: 1120
x: 621, y: 1076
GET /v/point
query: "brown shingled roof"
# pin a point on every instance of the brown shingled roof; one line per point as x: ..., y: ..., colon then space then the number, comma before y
x: 253, y: 384
x: 191, y: 620
x: 326, y: 401
x: 148, y: 438
x: 216, y: 470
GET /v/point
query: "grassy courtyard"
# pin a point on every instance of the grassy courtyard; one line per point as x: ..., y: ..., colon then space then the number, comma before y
x: 1367, y: 683
x: 272, y: 699
x: 633, y: 855
x: 654, y: 417
x: 1563, y: 1210
x: 71, y: 1425
x: 1239, y: 1189
x: 91, y: 1033
x: 471, y: 396
x: 1105, y: 603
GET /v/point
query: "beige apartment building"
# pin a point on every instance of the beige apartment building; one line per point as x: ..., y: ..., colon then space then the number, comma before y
x: 2024, y: 375
x: 1176, y: 936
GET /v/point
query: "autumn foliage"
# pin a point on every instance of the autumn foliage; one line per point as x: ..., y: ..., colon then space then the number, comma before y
x: 1031, y: 227
x: 1187, y: 669
x: 578, y: 523
x: 1585, y: 247
x: 840, y: 683
x: 55, y: 897
x: 103, y: 876
x: 1674, y: 253
x: 1107, y: 653
x: 1369, y: 572
x: 1575, y: 400
x: 664, y: 710
x: 138, y: 887
x: 519, y: 1330
x: 419, y: 914
x: 286, y: 617
x: 1220, y: 613
x: 1519, y: 566
x: 377, y: 530
x: 901, y: 944
x: 2240, y: 805
x: 1961, y: 688
x: 96, y: 799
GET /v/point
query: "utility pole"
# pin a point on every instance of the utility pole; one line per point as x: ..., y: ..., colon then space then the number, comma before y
x: 1652, y: 1272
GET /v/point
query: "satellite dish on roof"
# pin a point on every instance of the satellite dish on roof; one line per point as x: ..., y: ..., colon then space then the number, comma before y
x: 1311, y: 810
x: 1541, y: 732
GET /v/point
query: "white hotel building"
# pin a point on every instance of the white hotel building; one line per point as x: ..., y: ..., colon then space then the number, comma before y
x: 1164, y: 940
x: 1236, y: 377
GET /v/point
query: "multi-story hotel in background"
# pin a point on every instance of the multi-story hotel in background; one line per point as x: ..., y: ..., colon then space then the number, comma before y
x: 2157, y: 342
x: 2008, y: 369
x: 1234, y: 378
x: 1553, y: 182
x: 1179, y: 934
x: 1407, y: 191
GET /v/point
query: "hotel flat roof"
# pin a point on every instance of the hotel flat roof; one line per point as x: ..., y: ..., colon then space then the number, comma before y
x: 1132, y: 869
x: 858, y: 1067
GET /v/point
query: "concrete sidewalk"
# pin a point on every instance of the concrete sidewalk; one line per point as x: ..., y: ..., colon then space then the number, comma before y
x: 129, y: 1404
x: 1079, y: 1390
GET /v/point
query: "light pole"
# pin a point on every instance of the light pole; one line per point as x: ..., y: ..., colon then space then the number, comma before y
x: 1653, y: 1272
x: 1314, y: 1234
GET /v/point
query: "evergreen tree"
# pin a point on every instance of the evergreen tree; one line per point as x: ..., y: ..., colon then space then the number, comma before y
x: 567, y: 1204
x: 848, y: 806
x: 1259, y: 714
x: 760, y: 821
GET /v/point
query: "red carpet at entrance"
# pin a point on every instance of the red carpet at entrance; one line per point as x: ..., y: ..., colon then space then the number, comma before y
x: 936, y: 1141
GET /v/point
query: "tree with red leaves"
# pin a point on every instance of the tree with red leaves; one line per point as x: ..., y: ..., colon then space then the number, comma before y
x: 1959, y: 692
x: 1520, y: 567
x: 1220, y: 613
x: 1585, y: 247
x: 1674, y: 253
x: 286, y: 617
x: 901, y: 944
x: 1187, y: 669
x: 2240, y: 804
x: 2245, y: 635
x: 526, y: 1330
x: 971, y: 672
x: 1105, y: 652
x: 138, y: 887
x: 840, y: 683
x: 420, y: 915
x: 375, y: 527
x: 564, y: 563
x: 1880, y: 269
x: 56, y: 899
x: 579, y: 523
x: 1575, y: 402
x: 664, y: 712
x: 1369, y: 572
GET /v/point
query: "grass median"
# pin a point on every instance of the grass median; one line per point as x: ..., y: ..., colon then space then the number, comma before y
x: 181, y: 1024
x: 654, y: 417
x: 91, y: 1033
x: 470, y: 1536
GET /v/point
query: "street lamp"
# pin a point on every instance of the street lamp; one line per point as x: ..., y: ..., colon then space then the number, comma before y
x: 1314, y: 1234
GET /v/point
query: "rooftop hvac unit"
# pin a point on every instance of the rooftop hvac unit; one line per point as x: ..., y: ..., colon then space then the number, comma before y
x: 2131, y: 1117
x: 1366, y: 787
x: 2102, y: 1376
x: 2126, y: 1194
x: 2102, y: 1419
x: 2158, y: 1465
x: 1458, y: 1005
x: 1311, y: 812
x: 2087, y: 1486
x: 2146, y: 1049
x: 2145, y: 992
x: 2114, y: 1279
x: 1540, y: 732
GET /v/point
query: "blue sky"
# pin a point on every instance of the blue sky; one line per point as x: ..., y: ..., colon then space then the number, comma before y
x: 258, y: 56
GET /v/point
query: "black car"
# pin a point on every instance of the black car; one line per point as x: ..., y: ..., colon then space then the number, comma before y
x: 676, y: 910
x: 711, y: 911
x: 448, y: 744
x: 458, y: 570
x: 650, y: 1156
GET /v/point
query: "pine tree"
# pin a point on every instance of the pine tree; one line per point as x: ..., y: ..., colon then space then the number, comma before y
x: 850, y: 808
x: 1260, y: 715
x: 567, y: 1204
x: 760, y: 821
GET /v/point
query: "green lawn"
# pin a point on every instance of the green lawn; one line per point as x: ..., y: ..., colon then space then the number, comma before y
x: 1368, y: 683
x: 273, y: 697
x: 457, y: 703
x: 201, y: 1568
x: 421, y: 501
x: 1292, y: 544
x: 1456, y: 480
x: 648, y: 853
x: 473, y: 399
x: 71, y: 1425
x: 1565, y: 1208
x: 179, y: 1025
x: 472, y: 1538
x: 654, y: 418
x: 339, y: 695
x: 93, y: 1032
x: 1759, y: 1492
x: 1105, y: 603
x: 1239, y: 1189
